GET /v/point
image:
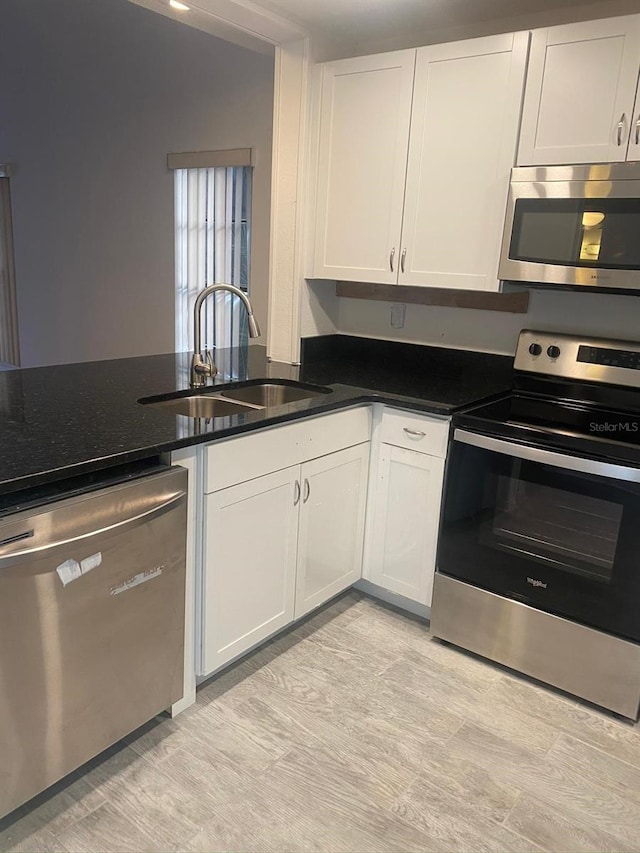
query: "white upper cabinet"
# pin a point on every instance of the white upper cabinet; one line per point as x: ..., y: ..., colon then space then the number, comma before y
x: 464, y: 131
x: 633, y: 152
x: 580, y: 101
x: 446, y: 153
x: 365, y: 115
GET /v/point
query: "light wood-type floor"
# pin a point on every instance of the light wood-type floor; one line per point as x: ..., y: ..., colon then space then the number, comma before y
x: 355, y: 732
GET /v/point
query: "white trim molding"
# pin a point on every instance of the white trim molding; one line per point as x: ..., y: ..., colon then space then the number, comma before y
x: 239, y: 21
x: 288, y: 181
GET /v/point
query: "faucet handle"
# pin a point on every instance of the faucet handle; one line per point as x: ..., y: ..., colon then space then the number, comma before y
x: 202, y: 366
x: 208, y: 367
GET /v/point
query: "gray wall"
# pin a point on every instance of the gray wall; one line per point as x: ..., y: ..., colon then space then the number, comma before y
x: 600, y: 315
x: 93, y: 95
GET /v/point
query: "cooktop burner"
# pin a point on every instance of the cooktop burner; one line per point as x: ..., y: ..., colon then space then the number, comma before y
x: 561, y: 400
x: 535, y: 413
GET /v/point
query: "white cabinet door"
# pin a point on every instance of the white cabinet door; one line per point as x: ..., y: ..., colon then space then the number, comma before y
x: 405, y: 522
x: 633, y: 152
x: 331, y: 528
x: 464, y: 130
x: 249, y: 566
x: 580, y: 92
x: 364, y: 131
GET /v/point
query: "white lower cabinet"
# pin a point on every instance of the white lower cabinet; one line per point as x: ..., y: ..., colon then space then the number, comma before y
x: 291, y: 534
x: 404, y: 504
x: 277, y: 547
x: 287, y: 537
x: 405, y: 522
x: 331, y: 528
x: 251, y: 532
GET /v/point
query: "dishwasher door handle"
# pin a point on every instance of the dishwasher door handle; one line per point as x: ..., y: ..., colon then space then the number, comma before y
x: 126, y: 523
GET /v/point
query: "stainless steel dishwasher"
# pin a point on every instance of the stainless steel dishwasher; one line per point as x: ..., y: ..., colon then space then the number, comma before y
x: 92, y: 592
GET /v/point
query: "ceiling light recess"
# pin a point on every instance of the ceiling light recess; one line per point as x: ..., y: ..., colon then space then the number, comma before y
x: 175, y: 4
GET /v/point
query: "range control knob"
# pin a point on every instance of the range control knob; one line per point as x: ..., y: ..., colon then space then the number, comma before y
x: 535, y: 349
x: 553, y: 351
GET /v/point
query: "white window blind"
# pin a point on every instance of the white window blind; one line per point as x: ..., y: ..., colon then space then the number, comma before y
x: 9, y: 350
x: 212, y: 208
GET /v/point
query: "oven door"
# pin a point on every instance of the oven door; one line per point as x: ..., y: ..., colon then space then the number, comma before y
x: 558, y: 532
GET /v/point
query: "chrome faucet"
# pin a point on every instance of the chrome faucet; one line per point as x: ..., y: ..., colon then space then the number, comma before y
x: 202, y: 365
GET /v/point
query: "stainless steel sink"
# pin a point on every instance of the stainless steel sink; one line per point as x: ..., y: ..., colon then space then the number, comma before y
x: 200, y: 406
x: 268, y: 393
x: 241, y: 398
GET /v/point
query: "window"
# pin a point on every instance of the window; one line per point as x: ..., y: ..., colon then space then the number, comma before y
x: 9, y: 351
x: 212, y: 232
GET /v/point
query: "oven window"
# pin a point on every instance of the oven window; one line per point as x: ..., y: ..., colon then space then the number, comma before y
x: 564, y: 541
x: 553, y: 526
x: 598, y: 233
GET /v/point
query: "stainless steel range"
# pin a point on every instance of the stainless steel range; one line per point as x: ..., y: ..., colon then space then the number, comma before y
x: 539, y: 553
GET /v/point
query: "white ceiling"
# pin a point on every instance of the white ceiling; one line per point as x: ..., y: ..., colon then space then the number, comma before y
x: 349, y: 27
x: 381, y: 21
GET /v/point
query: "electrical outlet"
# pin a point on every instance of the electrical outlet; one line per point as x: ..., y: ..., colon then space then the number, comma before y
x: 398, y: 311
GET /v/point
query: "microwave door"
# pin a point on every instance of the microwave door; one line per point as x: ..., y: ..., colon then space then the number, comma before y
x: 575, y: 233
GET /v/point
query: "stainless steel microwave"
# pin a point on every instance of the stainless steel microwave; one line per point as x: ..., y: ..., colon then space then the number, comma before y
x: 574, y: 226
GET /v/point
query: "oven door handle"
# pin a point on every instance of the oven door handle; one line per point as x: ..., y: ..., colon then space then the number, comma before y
x: 548, y: 457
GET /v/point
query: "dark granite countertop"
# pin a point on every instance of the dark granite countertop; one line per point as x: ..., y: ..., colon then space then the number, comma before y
x: 68, y: 419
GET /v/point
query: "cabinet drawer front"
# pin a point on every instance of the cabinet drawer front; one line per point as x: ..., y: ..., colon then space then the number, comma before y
x: 257, y: 453
x: 426, y: 434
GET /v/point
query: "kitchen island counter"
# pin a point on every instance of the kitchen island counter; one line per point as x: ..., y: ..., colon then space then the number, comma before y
x: 63, y: 420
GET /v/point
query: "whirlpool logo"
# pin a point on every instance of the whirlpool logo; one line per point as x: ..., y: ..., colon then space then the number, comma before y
x: 536, y: 582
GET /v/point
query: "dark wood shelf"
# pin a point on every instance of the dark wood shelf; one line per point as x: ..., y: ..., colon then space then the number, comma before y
x: 511, y: 303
